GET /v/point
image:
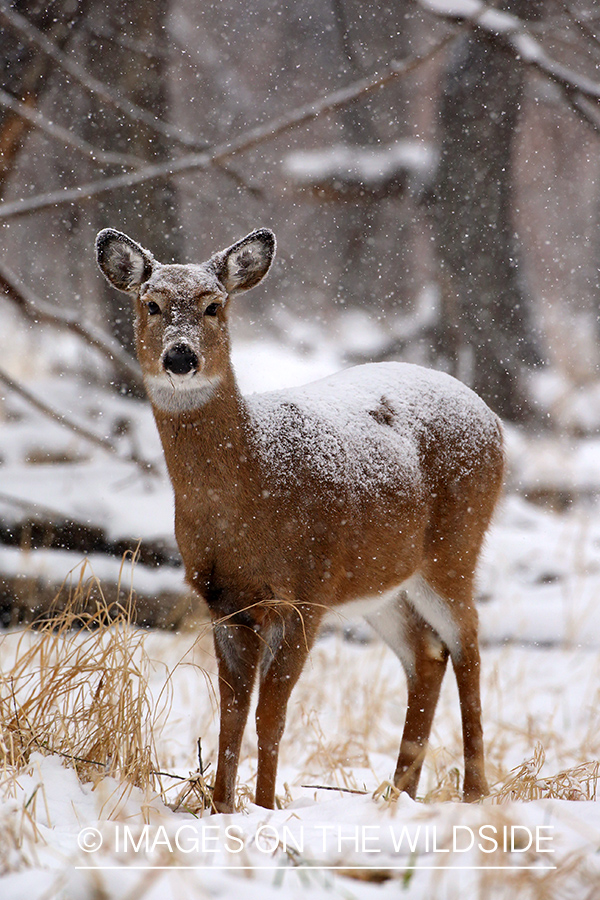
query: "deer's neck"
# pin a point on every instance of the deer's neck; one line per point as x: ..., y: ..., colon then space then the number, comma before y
x: 208, y: 444
x: 215, y: 480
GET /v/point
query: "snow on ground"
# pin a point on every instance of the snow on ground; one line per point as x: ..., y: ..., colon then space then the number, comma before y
x: 540, y: 629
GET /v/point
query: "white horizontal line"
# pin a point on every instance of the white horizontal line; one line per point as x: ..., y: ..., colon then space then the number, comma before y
x: 345, y: 868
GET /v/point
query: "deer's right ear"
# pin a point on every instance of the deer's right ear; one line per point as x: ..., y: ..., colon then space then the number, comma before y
x: 123, y: 261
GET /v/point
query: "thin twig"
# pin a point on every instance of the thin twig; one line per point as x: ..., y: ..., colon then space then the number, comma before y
x: 225, y: 151
x: 327, y: 787
x: 39, y: 312
x: 56, y: 133
x: 127, y: 41
x: 583, y: 109
x: 93, y: 85
x: 170, y: 775
x: 81, y: 759
x: 200, y: 763
x: 70, y: 423
x: 257, y: 192
x: 581, y: 26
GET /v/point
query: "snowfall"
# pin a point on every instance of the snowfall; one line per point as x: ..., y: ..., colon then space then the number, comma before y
x: 339, y: 830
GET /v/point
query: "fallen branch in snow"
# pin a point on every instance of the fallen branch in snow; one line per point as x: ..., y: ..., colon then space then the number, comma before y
x: 223, y: 152
x: 70, y: 423
x: 36, y: 527
x: 327, y: 787
x: 364, y: 174
x: 39, y: 312
x: 32, y: 509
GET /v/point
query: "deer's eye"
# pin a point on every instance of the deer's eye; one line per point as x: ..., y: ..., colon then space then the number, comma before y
x: 153, y: 308
x: 212, y: 309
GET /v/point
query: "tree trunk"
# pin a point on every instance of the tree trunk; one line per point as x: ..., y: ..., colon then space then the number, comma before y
x: 487, y: 334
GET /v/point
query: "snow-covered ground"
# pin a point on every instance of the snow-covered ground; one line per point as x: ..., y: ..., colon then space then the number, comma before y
x: 540, y: 630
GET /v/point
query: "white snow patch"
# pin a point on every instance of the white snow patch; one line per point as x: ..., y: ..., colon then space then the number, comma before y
x: 366, y: 165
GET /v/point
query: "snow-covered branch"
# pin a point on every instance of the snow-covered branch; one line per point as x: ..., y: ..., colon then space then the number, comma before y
x: 518, y: 38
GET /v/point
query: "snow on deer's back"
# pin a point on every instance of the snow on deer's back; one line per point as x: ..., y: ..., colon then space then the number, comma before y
x: 367, y: 427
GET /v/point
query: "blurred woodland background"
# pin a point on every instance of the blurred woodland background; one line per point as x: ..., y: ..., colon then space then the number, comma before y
x: 457, y: 202
x: 430, y: 169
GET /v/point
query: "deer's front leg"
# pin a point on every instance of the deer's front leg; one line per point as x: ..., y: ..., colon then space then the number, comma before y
x: 287, y: 645
x: 237, y: 648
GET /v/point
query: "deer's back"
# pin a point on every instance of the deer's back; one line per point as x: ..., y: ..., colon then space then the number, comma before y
x: 373, y: 429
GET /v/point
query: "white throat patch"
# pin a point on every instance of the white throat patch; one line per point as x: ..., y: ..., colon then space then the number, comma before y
x: 180, y: 393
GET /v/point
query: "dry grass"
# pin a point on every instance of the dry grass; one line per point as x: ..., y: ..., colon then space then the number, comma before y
x: 78, y: 688
x: 75, y: 685
x: 525, y: 782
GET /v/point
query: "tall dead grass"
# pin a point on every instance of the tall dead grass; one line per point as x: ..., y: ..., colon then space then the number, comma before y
x: 78, y: 689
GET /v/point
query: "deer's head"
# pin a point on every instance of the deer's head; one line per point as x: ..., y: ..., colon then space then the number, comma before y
x: 181, y: 330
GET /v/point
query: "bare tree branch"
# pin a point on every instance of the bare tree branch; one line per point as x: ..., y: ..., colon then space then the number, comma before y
x: 238, y: 179
x: 70, y: 423
x: 66, y: 137
x: 520, y: 40
x: 131, y: 44
x: 39, y: 312
x: 33, y: 35
x: 586, y: 30
x: 583, y: 109
x: 225, y: 151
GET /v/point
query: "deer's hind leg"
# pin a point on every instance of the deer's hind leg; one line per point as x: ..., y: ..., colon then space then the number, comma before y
x: 450, y: 610
x: 444, y: 589
x: 424, y: 657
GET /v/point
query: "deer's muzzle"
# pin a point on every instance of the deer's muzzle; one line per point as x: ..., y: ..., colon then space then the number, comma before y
x: 180, y: 360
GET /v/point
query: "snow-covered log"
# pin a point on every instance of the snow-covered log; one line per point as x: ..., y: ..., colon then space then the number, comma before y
x: 344, y: 172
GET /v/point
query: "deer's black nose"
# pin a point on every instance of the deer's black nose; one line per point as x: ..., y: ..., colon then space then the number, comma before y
x: 180, y: 359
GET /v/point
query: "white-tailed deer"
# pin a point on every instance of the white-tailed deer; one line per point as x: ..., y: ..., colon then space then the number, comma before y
x: 373, y: 487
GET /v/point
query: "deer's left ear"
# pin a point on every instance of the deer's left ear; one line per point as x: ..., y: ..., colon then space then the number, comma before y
x: 243, y: 265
